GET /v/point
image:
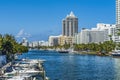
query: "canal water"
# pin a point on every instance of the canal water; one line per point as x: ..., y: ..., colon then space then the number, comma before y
x: 77, y: 67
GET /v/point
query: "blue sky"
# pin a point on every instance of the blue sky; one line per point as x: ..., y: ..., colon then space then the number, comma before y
x: 38, y: 19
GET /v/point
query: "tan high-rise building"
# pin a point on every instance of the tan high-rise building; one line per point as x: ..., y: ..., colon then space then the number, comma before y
x: 70, y: 25
x: 62, y: 40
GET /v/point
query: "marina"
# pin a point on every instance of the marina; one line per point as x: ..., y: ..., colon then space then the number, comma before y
x: 77, y: 66
x: 50, y: 65
x: 24, y: 69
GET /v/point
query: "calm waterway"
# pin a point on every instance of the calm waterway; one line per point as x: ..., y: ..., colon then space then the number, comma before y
x: 77, y: 67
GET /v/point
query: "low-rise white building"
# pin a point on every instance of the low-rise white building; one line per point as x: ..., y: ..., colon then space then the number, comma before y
x: 25, y: 42
x: 53, y: 40
x: 30, y: 44
x: 43, y: 43
x: 38, y: 43
x: 35, y: 44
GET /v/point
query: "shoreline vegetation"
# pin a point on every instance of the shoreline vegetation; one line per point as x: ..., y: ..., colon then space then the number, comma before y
x: 93, y: 53
x: 9, y: 47
x: 100, y: 49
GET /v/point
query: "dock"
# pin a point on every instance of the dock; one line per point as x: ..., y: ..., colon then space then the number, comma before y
x: 24, y: 69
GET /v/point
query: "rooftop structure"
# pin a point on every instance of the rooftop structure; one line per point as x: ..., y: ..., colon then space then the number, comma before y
x: 70, y: 25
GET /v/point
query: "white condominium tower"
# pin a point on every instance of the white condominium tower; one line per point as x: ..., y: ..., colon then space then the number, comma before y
x: 70, y: 25
x: 117, y: 11
x: 117, y: 38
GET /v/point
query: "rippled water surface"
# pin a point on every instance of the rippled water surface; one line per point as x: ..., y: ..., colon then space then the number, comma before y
x: 77, y: 67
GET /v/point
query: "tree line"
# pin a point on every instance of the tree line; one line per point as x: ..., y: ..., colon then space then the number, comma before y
x: 9, y: 46
x: 104, y: 47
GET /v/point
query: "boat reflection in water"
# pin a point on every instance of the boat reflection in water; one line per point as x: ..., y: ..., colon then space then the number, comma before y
x: 117, y: 68
x: 63, y: 51
x: 70, y: 50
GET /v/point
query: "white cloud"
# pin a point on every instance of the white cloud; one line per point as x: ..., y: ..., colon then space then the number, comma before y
x: 22, y: 33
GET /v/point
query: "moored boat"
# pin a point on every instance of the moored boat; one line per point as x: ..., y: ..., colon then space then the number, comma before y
x: 25, y: 69
x: 116, y: 53
x: 63, y: 51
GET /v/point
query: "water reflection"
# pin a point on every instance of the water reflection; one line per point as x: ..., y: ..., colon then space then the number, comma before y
x: 117, y: 68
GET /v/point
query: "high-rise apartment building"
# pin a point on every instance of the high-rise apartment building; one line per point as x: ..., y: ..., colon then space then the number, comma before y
x: 89, y: 36
x: 117, y: 38
x: 117, y: 12
x: 109, y: 29
x: 99, y: 34
x: 70, y: 25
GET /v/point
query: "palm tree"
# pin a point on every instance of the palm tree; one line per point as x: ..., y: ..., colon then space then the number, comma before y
x: 7, y: 49
x: 118, y: 34
x: 1, y: 42
x: 9, y: 46
x: 110, y: 36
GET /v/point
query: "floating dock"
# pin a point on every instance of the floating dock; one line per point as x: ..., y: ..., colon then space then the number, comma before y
x: 25, y: 69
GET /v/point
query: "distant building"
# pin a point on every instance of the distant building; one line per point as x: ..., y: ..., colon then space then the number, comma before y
x: 99, y: 34
x: 62, y: 40
x: 43, y: 43
x: 117, y: 38
x: 110, y: 29
x: 53, y: 40
x: 117, y: 12
x: 70, y: 25
x: 69, y: 40
x: 38, y: 43
x: 90, y: 36
x: 77, y: 38
x: 35, y: 44
x: 25, y: 42
x: 30, y: 44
